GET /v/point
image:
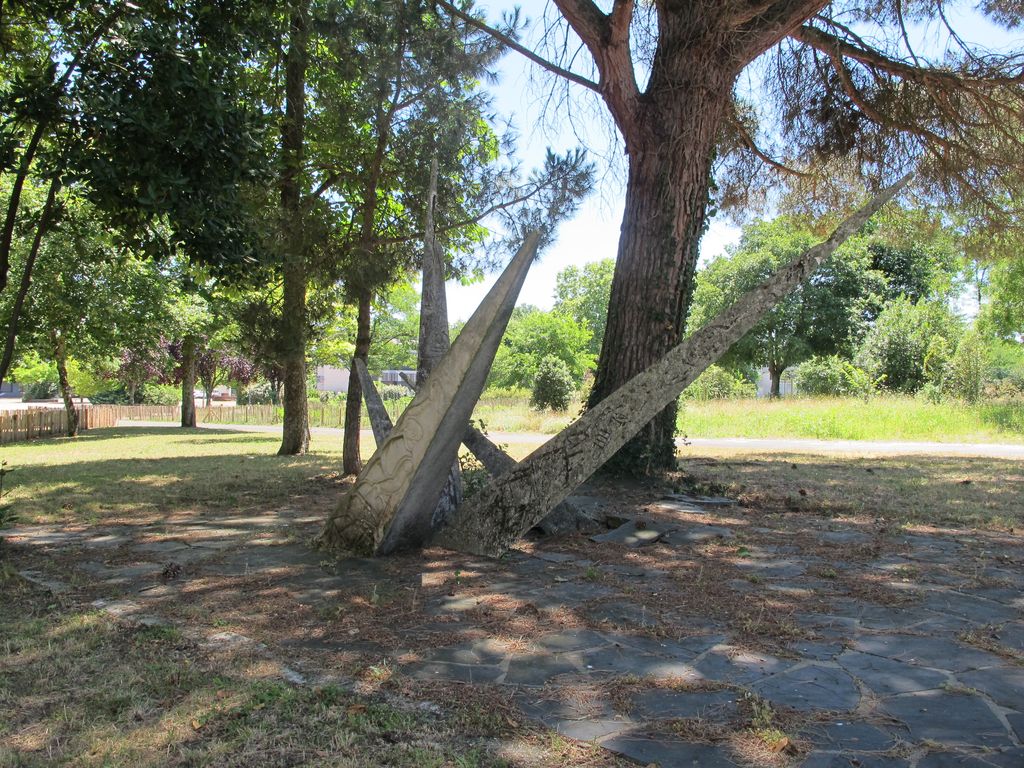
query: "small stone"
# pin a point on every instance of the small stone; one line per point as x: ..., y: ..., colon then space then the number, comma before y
x: 630, y: 535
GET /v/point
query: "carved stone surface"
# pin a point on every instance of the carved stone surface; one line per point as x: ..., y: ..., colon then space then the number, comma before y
x: 380, y: 422
x: 393, y: 499
x: 516, y: 501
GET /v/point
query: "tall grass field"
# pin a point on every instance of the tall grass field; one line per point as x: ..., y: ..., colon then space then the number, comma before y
x: 877, y: 418
x: 827, y: 418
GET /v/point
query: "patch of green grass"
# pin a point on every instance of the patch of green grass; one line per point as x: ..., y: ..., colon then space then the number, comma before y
x: 154, y: 471
x: 878, y: 418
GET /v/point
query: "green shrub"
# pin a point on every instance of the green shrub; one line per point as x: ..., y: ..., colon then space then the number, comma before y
x: 833, y: 376
x: 258, y: 394
x: 37, y: 377
x: 896, y: 348
x: 553, y: 386
x: 717, y: 383
x: 966, y: 369
x: 161, y: 394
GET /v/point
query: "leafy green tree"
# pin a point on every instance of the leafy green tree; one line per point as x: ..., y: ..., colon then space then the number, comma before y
x: 895, y: 349
x: 582, y: 293
x: 716, y: 99
x: 91, y: 298
x: 533, y: 335
x: 824, y: 316
x: 395, y: 330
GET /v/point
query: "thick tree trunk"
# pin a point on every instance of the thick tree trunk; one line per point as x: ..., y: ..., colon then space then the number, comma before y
x: 295, y: 429
x: 60, y: 355
x: 776, y: 377
x: 188, y: 382
x: 670, y: 157
x: 26, y: 278
x: 494, y: 519
x: 352, y: 462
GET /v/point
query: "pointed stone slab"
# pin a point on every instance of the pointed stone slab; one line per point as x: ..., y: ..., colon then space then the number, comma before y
x: 512, y: 504
x: 393, y: 499
x: 380, y: 421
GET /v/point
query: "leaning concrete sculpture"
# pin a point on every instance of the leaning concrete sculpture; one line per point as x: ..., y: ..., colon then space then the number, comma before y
x: 392, y: 502
x: 495, y: 518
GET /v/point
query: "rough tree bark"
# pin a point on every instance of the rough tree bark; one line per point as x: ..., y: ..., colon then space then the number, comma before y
x: 775, y: 374
x: 295, y: 429
x: 60, y: 356
x: 188, y: 382
x: 670, y: 131
x: 352, y: 462
x: 519, y: 499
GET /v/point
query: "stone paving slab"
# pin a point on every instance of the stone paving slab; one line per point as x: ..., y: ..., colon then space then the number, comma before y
x: 866, y: 676
x: 934, y: 652
x: 631, y: 534
x: 949, y: 719
x: 809, y: 688
x: 667, y: 751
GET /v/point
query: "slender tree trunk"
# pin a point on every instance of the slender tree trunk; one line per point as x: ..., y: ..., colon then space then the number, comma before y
x: 26, y: 278
x: 60, y: 355
x: 188, y: 382
x: 664, y: 218
x: 776, y: 377
x: 351, y: 460
x: 29, y: 156
x: 434, y: 340
x: 14, y: 201
x: 295, y: 429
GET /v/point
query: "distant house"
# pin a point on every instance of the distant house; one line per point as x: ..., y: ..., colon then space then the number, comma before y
x: 331, y: 379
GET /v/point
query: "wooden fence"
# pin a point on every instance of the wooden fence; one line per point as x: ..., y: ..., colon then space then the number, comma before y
x: 29, y: 424
x: 320, y: 414
x: 16, y: 426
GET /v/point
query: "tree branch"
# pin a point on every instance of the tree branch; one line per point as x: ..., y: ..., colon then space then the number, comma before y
x: 509, y: 42
x: 607, y: 39
x: 832, y: 45
x: 748, y: 141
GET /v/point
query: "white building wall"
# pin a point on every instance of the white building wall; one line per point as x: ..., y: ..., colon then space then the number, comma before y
x: 331, y: 379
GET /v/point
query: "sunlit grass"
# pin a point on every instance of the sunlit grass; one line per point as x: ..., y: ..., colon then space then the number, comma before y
x: 877, y: 418
x: 134, y: 473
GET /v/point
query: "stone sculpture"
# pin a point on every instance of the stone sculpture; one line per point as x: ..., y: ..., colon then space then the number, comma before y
x: 494, y: 519
x: 392, y: 502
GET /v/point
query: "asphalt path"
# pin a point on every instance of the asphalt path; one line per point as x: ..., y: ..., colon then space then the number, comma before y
x: 761, y: 445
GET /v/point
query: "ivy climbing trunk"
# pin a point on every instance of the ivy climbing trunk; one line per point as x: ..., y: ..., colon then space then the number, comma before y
x: 664, y: 217
x: 295, y: 427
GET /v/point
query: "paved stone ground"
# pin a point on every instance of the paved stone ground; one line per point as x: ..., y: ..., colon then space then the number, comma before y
x: 867, y: 647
